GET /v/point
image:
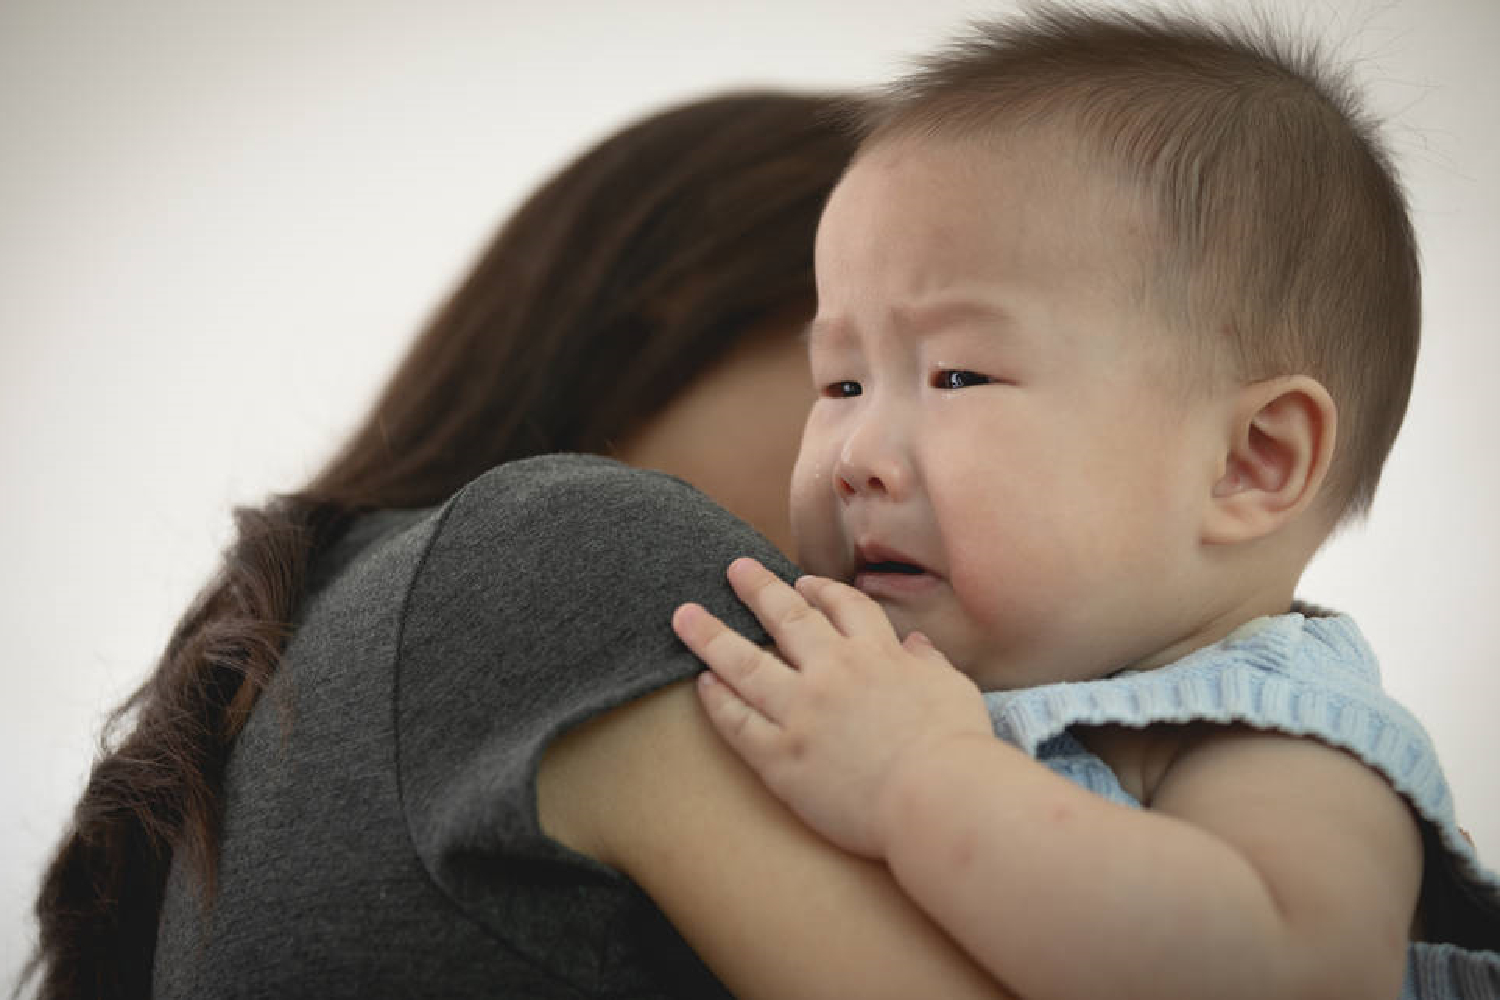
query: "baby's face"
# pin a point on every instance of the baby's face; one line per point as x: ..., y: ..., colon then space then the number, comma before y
x: 996, y: 454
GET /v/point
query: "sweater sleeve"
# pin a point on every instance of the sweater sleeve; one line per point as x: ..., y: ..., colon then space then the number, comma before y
x: 545, y: 598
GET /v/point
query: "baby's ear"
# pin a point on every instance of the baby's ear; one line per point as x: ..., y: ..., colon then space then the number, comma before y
x: 1278, y: 449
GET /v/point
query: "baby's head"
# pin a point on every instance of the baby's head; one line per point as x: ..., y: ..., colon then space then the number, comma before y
x: 1097, y: 300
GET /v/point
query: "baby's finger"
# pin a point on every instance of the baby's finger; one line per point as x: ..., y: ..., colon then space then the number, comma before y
x: 748, y: 733
x: 850, y: 610
x: 798, y: 628
x: 756, y: 675
x: 918, y: 644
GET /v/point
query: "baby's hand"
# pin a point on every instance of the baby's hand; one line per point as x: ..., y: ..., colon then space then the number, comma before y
x: 828, y: 726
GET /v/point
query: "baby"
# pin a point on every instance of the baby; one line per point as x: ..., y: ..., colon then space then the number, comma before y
x: 1117, y: 322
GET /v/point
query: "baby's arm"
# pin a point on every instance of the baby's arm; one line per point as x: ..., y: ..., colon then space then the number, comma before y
x: 1265, y: 866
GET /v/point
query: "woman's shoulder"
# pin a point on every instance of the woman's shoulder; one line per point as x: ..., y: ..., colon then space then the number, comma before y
x: 569, y: 491
x: 544, y: 599
x: 540, y: 475
x: 528, y: 500
x: 546, y: 591
x: 590, y: 523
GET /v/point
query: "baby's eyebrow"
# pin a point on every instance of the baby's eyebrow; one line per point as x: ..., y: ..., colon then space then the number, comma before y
x: 952, y: 312
x: 918, y: 318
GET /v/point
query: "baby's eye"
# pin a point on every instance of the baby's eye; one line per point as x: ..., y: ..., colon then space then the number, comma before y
x: 843, y: 390
x: 958, y: 378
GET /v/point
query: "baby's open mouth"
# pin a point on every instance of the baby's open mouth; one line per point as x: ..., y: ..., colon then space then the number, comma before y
x: 892, y: 566
x: 893, y: 579
x: 883, y: 571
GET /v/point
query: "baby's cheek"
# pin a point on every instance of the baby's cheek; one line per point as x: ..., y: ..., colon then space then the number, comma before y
x: 1006, y: 597
x: 814, y: 524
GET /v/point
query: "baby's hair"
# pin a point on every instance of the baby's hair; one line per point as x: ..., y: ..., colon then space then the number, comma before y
x: 1286, y: 244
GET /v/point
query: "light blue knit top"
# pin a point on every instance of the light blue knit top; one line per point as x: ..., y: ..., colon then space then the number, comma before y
x: 1307, y: 675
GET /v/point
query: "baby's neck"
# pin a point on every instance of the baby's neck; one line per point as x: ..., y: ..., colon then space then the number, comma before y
x: 1218, y: 626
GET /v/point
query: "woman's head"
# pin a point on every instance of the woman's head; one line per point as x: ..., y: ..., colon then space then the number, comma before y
x: 633, y: 271
x: 645, y: 290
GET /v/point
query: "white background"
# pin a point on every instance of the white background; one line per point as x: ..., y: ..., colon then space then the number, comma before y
x: 220, y: 223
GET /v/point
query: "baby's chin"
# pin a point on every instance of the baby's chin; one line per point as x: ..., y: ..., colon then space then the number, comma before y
x: 905, y: 623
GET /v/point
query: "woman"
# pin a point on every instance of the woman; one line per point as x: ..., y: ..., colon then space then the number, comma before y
x: 338, y: 779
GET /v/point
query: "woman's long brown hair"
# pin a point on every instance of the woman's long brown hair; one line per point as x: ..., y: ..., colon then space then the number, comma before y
x: 608, y: 290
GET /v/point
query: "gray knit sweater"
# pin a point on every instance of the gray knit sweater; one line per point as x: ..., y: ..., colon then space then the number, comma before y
x: 380, y: 833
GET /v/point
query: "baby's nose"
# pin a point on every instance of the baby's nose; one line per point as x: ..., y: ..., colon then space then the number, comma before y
x: 871, y: 465
x: 851, y: 485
